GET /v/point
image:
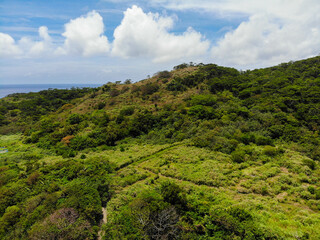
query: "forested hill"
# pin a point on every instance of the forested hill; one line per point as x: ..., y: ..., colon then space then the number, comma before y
x: 201, y: 152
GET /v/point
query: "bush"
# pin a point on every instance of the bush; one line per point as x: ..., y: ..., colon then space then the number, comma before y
x: 262, y: 140
x: 101, y: 105
x: 135, y: 89
x: 173, y: 194
x: 163, y: 74
x: 81, y: 142
x: 317, y: 194
x: 64, y: 223
x: 202, y: 112
x: 84, y: 198
x: 176, y: 85
x: 181, y: 66
x: 205, y: 100
x: 247, y: 138
x: 114, y: 92
x: 127, y: 111
x: 270, y: 151
x: 238, y: 156
x: 234, y: 223
x: 149, y: 89
x: 310, y: 163
x: 74, y: 118
x: 33, y: 178
x: 106, y: 88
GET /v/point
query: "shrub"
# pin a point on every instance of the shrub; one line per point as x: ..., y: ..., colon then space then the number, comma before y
x: 176, y: 85
x: 125, y: 89
x: 114, y: 92
x: 238, y: 156
x: 173, y: 194
x: 262, y: 140
x: 127, y: 81
x: 234, y: 223
x: 127, y: 111
x: 106, y: 88
x: 66, y: 140
x: 163, y: 74
x: 64, y: 223
x: 81, y: 142
x: 202, y: 112
x: 247, y: 138
x: 270, y: 151
x: 74, y: 118
x: 149, y: 88
x: 181, y: 66
x: 101, y: 105
x: 135, y: 89
x: 84, y: 198
x: 33, y: 178
x: 311, y: 189
x: 317, y: 194
x: 310, y: 163
x: 204, y: 99
x: 9, y: 218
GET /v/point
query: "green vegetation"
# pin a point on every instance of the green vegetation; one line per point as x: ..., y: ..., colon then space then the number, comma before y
x: 201, y: 152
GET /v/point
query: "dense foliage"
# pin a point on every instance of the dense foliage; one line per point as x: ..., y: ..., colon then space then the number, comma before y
x: 215, y: 135
x: 31, y: 106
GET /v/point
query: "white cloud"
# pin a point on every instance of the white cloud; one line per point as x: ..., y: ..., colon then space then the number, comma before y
x: 275, y: 31
x: 280, y: 8
x: 37, y: 48
x: 265, y: 41
x: 147, y: 35
x: 8, y: 47
x: 26, y: 47
x: 84, y: 36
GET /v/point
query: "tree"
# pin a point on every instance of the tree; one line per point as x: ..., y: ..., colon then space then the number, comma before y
x: 127, y: 81
x: 64, y: 223
x: 164, y: 224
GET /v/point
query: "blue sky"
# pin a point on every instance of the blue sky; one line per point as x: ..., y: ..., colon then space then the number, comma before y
x: 97, y: 41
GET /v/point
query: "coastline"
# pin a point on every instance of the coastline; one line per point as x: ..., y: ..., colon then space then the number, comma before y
x: 6, y: 89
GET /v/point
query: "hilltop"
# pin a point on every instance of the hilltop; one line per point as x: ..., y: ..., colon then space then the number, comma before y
x: 200, y: 152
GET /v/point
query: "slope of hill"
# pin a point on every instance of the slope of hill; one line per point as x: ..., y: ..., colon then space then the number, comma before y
x: 202, y: 152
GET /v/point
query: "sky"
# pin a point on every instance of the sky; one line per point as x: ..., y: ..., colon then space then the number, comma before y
x: 98, y: 41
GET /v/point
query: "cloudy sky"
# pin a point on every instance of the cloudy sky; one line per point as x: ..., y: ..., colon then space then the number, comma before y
x: 78, y: 41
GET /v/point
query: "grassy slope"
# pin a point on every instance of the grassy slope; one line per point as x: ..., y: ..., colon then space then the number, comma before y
x: 270, y: 188
x: 274, y: 189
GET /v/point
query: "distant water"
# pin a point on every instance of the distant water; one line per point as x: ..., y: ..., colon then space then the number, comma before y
x: 25, y: 88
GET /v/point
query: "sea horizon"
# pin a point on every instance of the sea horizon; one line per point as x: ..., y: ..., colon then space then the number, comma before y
x: 6, y: 89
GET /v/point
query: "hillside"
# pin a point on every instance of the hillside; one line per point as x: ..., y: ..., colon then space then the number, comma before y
x: 201, y: 152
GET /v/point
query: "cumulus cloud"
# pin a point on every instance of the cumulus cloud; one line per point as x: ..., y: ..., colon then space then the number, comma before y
x: 8, y: 47
x: 84, y: 36
x: 37, y: 48
x: 266, y: 41
x: 147, y: 35
x: 271, y: 32
x: 274, y: 31
x: 26, y: 47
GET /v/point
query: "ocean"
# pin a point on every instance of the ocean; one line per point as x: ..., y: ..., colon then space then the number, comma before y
x: 25, y: 88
